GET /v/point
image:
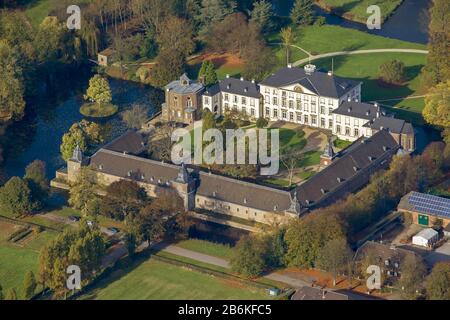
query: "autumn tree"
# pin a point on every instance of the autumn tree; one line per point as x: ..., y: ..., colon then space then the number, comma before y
x: 248, y: 257
x: 176, y: 34
x: 334, y: 257
x: 413, y: 272
x: 287, y: 37
x: 99, y: 90
x: 29, y: 286
x: 83, y: 190
x: 12, y: 103
x: 36, y: 177
x: 170, y: 64
x: 392, y: 72
x: 437, y: 105
x: 438, y: 282
x: 135, y: 117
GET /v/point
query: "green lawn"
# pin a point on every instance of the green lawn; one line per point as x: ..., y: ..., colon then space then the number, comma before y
x: 278, y: 182
x: 37, y: 10
x: 153, y: 280
x: 310, y: 158
x: 341, y: 144
x: 206, y: 247
x: 357, y: 10
x: 16, y: 259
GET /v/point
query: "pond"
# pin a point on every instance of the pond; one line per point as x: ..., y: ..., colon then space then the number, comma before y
x: 409, y: 22
x: 39, y: 135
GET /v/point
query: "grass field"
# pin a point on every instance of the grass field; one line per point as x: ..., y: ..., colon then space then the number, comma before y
x: 152, y: 280
x: 357, y: 10
x: 310, y: 158
x: 37, y: 10
x: 206, y: 247
x: 16, y: 259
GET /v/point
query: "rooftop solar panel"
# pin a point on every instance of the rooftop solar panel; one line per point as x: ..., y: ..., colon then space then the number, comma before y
x: 427, y: 203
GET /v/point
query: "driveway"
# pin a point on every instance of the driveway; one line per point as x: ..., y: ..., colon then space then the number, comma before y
x: 441, y: 254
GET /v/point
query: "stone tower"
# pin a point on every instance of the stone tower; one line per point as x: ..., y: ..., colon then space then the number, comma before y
x: 185, y: 185
x: 75, y: 163
x: 328, y: 154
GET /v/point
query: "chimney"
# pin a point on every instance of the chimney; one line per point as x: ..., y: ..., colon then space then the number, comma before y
x: 349, y: 109
x: 349, y: 99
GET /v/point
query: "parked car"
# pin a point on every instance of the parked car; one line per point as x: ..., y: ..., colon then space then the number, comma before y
x: 74, y: 218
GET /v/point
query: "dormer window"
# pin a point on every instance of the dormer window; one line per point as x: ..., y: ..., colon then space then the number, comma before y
x: 355, y: 169
x: 214, y: 194
x: 152, y: 179
x: 275, y: 208
x: 100, y: 167
x: 371, y: 158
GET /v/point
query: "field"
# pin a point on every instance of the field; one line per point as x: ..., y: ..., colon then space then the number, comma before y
x: 16, y: 259
x: 224, y: 63
x: 356, y: 10
x: 206, y: 247
x: 37, y: 10
x: 156, y: 280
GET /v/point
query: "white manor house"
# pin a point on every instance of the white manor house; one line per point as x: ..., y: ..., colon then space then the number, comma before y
x: 303, y: 96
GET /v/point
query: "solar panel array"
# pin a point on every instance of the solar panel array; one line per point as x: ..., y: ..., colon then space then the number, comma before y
x: 426, y: 203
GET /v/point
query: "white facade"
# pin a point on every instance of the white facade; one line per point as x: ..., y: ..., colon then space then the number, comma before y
x: 426, y: 238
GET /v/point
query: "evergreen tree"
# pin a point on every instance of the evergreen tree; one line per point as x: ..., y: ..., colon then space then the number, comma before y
x: 16, y: 198
x: 35, y: 175
x: 208, y: 73
x: 214, y: 11
x: 29, y: 286
x: 302, y: 12
x: 262, y: 15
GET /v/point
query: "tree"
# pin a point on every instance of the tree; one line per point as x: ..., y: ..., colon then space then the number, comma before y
x: 262, y: 15
x: 1, y: 293
x: 248, y: 257
x: 99, y: 90
x: 123, y: 199
x: 334, y: 257
x: 262, y: 123
x: 392, y: 72
x: 176, y: 34
x: 36, y: 176
x: 83, y: 190
x: 29, y: 286
x: 16, y: 197
x: 170, y: 64
x: 437, y: 105
x: 305, y: 238
x: 288, y: 38
x: 12, y: 103
x: 437, y: 68
x: 213, y: 12
x: 438, y: 282
x: 413, y: 272
x: 136, y: 117
x: 208, y: 73
x: 90, y: 34
x: 302, y: 12
x: 130, y: 243
x: 209, y: 121
x: 11, y: 294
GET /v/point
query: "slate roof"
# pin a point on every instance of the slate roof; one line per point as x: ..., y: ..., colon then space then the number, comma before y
x: 131, y: 143
x: 318, y: 82
x: 243, y: 193
x: 192, y: 87
x: 212, y: 90
x: 239, y: 87
x: 391, y: 124
x: 357, y: 110
x: 350, y: 164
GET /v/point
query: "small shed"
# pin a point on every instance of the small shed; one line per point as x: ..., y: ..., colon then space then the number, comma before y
x: 426, y: 238
x: 104, y: 58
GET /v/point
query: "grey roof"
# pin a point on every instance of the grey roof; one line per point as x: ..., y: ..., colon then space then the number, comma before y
x: 350, y: 164
x: 131, y: 143
x: 426, y: 204
x: 243, y: 193
x: 391, y: 124
x: 240, y: 87
x: 191, y: 86
x: 318, y: 82
x: 358, y: 110
x: 212, y: 90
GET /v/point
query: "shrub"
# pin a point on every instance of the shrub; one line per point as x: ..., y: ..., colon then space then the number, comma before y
x: 392, y: 72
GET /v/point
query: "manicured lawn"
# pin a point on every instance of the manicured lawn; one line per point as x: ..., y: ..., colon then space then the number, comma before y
x: 357, y: 10
x: 310, y: 158
x: 17, y: 259
x: 341, y: 144
x: 305, y: 175
x: 408, y: 109
x: 278, y: 182
x: 106, y: 222
x: 207, y: 247
x: 39, y: 9
x: 154, y: 279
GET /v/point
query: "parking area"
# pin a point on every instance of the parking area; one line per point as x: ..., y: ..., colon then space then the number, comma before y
x: 441, y: 254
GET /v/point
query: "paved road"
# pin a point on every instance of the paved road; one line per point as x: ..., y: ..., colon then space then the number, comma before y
x: 345, y: 53
x: 275, y: 276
